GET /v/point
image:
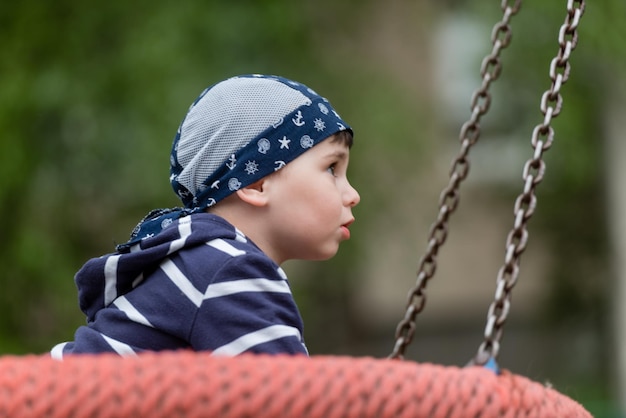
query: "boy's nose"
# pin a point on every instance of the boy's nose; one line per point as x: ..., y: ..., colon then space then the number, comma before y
x: 352, y: 197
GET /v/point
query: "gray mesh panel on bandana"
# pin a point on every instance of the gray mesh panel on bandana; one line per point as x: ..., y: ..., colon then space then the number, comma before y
x: 225, y: 119
x: 243, y: 129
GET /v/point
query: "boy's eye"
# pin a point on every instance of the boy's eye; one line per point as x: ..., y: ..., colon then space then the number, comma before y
x: 331, y: 169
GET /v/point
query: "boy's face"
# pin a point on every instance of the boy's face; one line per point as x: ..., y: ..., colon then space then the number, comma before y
x: 310, y: 203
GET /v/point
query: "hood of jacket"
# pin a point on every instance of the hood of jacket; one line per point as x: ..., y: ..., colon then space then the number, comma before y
x: 101, y: 280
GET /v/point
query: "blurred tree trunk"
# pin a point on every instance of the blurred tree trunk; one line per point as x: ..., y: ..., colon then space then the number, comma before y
x: 616, y: 180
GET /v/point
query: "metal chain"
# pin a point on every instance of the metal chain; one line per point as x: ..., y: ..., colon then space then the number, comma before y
x: 533, y: 172
x: 490, y: 70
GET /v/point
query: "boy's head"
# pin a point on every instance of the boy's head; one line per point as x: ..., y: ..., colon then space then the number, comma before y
x: 243, y: 129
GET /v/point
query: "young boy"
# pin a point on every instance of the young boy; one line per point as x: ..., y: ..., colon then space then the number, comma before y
x: 260, y: 164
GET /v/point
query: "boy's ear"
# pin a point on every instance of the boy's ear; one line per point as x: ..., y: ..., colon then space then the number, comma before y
x: 254, y: 193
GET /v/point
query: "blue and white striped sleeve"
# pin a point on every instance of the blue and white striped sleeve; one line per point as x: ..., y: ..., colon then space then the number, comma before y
x: 248, y: 307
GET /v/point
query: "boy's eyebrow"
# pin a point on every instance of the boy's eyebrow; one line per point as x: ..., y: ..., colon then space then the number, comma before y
x: 340, y: 154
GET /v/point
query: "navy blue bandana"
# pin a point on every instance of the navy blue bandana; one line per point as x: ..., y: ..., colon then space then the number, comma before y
x: 243, y: 129
x: 235, y: 133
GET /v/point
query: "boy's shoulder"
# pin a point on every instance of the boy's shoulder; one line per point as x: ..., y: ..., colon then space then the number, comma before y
x: 201, y: 248
x: 224, y: 254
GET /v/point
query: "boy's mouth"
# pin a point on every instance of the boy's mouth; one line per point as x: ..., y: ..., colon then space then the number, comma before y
x: 345, y: 231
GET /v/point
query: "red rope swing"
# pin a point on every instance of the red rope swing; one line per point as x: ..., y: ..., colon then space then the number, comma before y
x: 195, y: 385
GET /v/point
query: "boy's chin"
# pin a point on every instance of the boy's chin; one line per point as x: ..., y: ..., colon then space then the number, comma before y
x: 325, y: 255
x: 319, y: 254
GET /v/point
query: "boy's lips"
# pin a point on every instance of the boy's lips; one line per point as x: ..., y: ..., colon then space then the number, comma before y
x: 345, y: 231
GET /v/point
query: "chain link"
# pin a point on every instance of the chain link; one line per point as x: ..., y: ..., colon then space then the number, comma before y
x: 533, y: 172
x: 490, y: 70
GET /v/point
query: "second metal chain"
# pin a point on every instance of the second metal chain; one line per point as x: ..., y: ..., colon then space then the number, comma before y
x: 490, y: 70
x: 533, y: 173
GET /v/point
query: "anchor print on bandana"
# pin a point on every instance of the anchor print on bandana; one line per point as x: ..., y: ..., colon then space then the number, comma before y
x: 232, y: 162
x: 183, y: 193
x: 298, y: 120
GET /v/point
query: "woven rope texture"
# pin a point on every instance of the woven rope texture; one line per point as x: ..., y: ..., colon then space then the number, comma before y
x: 186, y: 384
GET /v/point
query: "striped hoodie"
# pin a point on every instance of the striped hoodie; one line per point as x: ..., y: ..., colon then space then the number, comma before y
x: 200, y: 284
